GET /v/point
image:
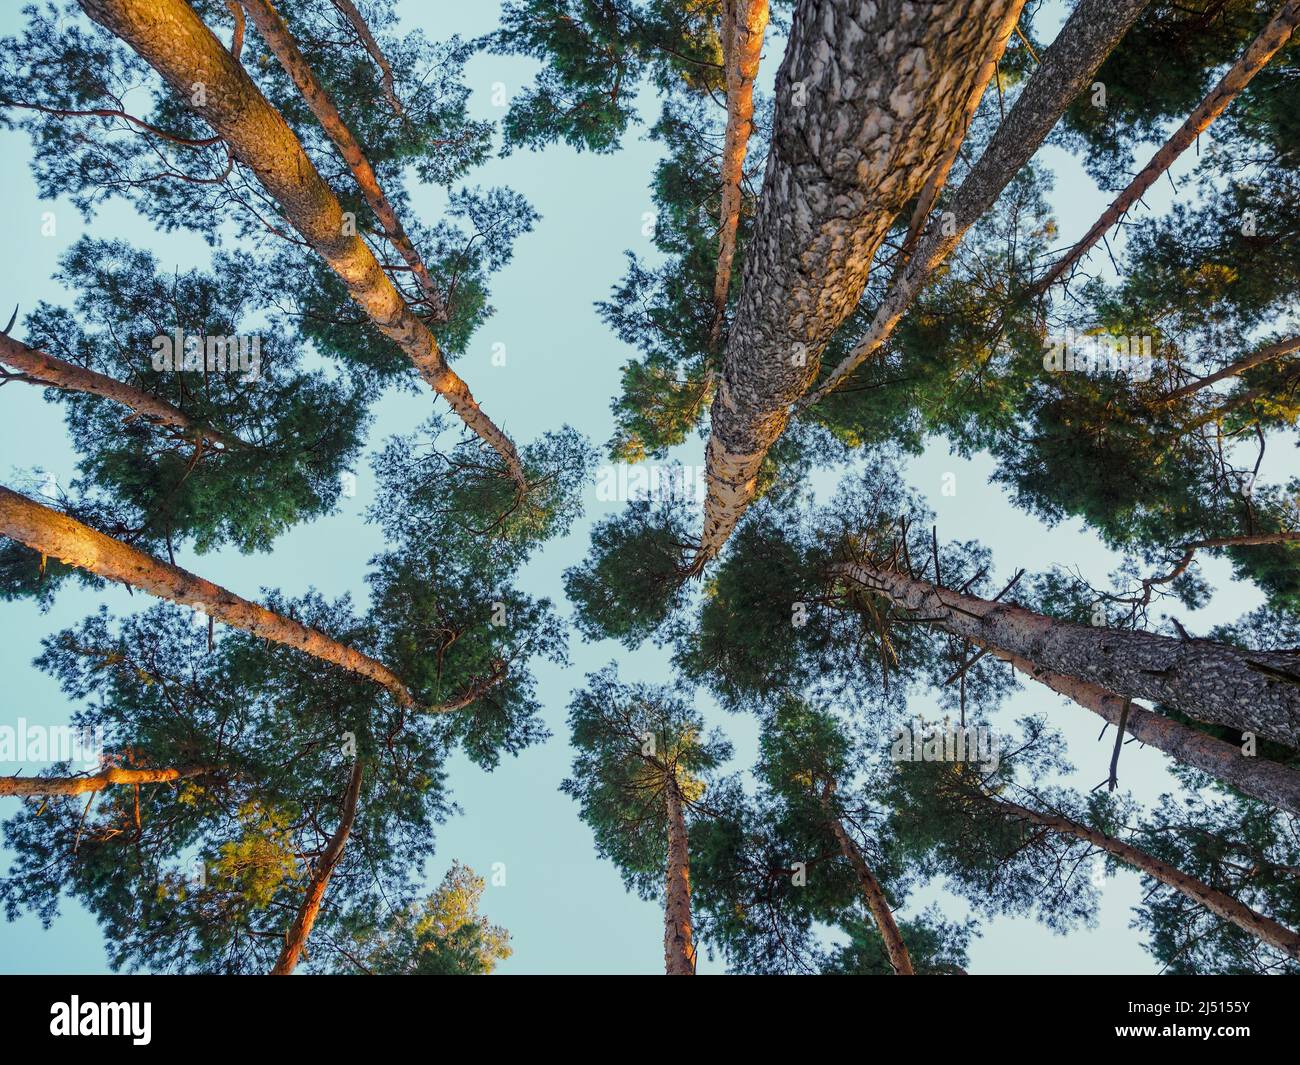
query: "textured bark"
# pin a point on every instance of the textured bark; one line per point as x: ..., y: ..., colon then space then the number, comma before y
x: 41, y: 368
x: 100, y: 781
x: 1270, y: 782
x: 1217, y: 902
x: 75, y: 544
x: 874, y: 895
x: 1089, y: 35
x: 1251, y: 62
x: 679, y: 946
x: 278, y: 38
x: 295, y: 939
x: 349, y: 12
x: 1254, y: 691
x: 1235, y: 369
x: 169, y: 36
x: 1254, y: 540
x: 744, y: 22
x: 869, y: 98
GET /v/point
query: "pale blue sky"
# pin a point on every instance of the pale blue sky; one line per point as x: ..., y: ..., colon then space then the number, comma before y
x: 566, y: 910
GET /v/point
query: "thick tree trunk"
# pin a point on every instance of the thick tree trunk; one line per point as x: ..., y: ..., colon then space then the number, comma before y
x: 41, y: 368
x: 75, y: 544
x: 170, y: 37
x: 1235, y: 369
x: 869, y: 99
x: 1254, y: 691
x: 99, y: 782
x: 295, y: 939
x: 1269, y: 782
x: 679, y: 946
x: 874, y: 895
x: 1251, y: 62
x: 1217, y: 902
x: 278, y: 38
x: 744, y: 22
x: 1089, y: 35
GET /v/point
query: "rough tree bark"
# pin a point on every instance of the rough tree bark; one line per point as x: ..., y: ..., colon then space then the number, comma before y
x: 1235, y: 369
x: 1217, y: 902
x: 1270, y: 782
x: 872, y: 893
x: 75, y: 544
x: 99, y: 782
x: 278, y: 38
x: 679, y: 946
x: 172, y: 39
x: 1089, y: 35
x: 1254, y: 691
x: 295, y: 939
x: 743, y: 25
x: 1252, y: 61
x: 869, y: 98
x: 41, y: 368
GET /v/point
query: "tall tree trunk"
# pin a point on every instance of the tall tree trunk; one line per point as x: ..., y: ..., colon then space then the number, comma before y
x: 743, y: 25
x: 1251, y: 62
x: 1089, y: 35
x: 100, y: 781
x: 1217, y: 902
x: 1254, y: 691
x: 873, y: 894
x: 41, y: 368
x: 75, y: 544
x: 1235, y: 369
x: 869, y: 98
x: 1270, y: 782
x: 170, y: 37
x: 295, y: 939
x: 278, y: 38
x: 679, y: 947
x: 350, y: 12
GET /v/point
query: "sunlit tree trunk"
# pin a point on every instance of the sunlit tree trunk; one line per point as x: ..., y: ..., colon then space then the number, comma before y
x: 743, y: 24
x: 1089, y: 35
x: 170, y: 37
x: 869, y: 99
x: 41, y: 368
x: 98, y: 782
x: 1252, y: 61
x: 295, y: 939
x: 1254, y: 691
x: 1217, y: 902
x: 679, y: 946
x: 59, y: 536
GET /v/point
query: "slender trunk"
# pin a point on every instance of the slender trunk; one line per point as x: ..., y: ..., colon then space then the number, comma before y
x: 1254, y: 691
x: 349, y: 12
x: 1217, y: 902
x: 1089, y: 35
x: 1235, y: 369
x: 170, y: 37
x: 1254, y: 540
x: 744, y: 22
x: 278, y: 38
x: 1269, y: 782
x: 869, y: 98
x: 41, y: 368
x: 100, y: 781
x: 679, y: 947
x: 295, y: 939
x: 874, y: 895
x: 1251, y: 62
x: 75, y: 544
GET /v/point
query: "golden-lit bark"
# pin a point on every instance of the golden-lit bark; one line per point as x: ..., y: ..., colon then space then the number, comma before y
x: 44, y: 369
x: 679, y: 946
x: 743, y: 25
x: 98, y: 782
x: 1252, y: 61
x: 172, y: 39
x: 295, y: 938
